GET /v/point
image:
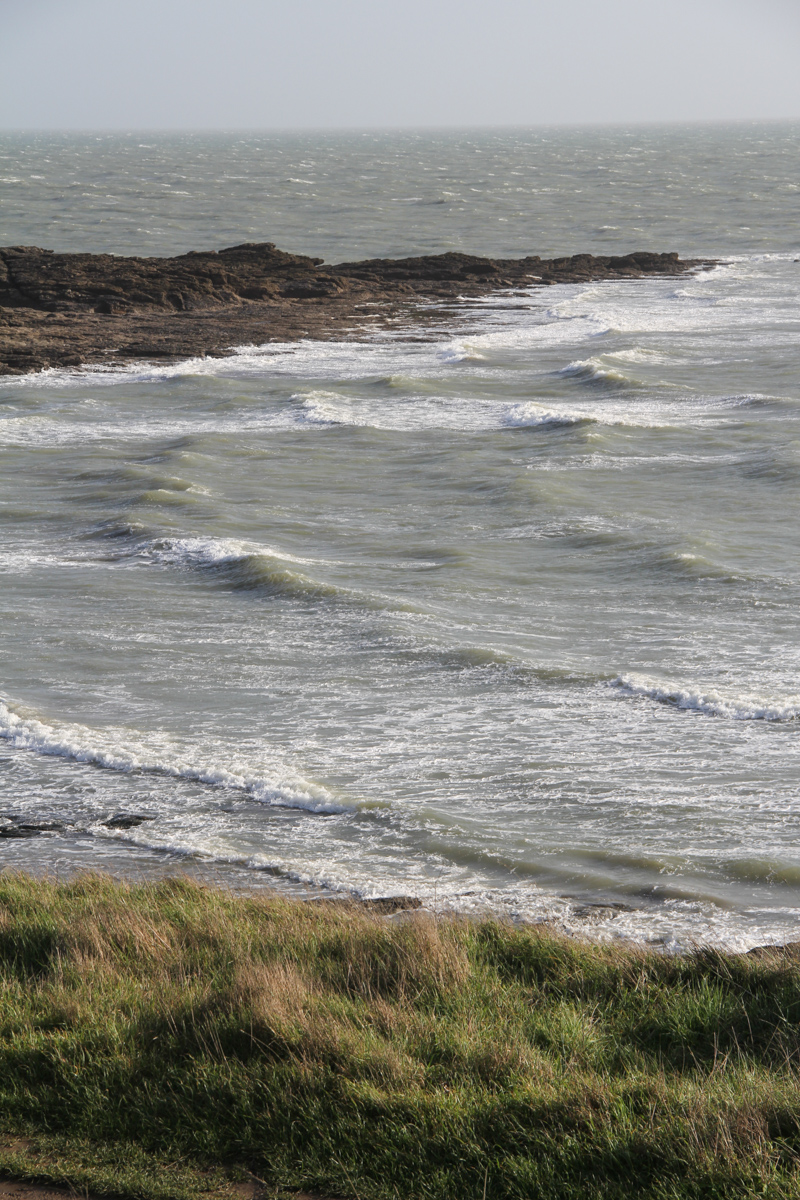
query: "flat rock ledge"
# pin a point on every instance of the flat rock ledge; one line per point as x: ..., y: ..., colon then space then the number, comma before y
x: 71, y: 310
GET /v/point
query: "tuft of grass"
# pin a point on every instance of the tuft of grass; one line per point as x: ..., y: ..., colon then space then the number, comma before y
x: 167, y: 1041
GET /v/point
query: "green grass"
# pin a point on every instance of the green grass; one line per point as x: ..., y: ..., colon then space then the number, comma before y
x: 168, y: 1041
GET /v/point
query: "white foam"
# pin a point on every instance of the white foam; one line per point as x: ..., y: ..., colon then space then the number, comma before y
x: 210, y: 551
x: 712, y: 702
x: 457, y: 352
x: 644, y: 354
x: 400, y: 411
x: 529, y: 413
x: 328, y: 408
x: 37, y: 430
x: 720, y: 300
x: 19, y: 562
x: 119, y: 749
x: 375, y: 355
x: 426, y: 412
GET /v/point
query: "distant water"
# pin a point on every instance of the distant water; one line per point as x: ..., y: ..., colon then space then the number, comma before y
x: 505, y: 619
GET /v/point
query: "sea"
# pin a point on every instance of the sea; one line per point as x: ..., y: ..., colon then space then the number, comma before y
x: 498, y: 610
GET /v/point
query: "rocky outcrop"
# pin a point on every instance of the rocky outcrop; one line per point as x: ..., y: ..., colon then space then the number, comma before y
x: 104, y: 283
x: 61, y: 310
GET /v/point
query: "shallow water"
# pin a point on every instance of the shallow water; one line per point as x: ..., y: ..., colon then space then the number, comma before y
x: 505, y: 618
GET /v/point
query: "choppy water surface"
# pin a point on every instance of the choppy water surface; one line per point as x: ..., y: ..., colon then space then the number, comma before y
x: 504, y: 618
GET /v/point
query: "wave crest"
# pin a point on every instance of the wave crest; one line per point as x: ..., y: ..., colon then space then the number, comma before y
x: 530, y: 414
x: 240, y: 565
x: 595, y: 371
x: 712, y: 702
x: 327, y: 408
x: 122, y: 750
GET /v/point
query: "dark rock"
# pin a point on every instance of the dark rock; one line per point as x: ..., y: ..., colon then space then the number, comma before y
x: 108, y: 304
x: 123, y: 820
x: 784, y: 950
x: 18, y: 827
x: 60, y: 310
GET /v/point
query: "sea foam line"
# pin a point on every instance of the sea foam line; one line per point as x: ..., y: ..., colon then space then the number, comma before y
x: 712, y: 703
x: 119, y: 750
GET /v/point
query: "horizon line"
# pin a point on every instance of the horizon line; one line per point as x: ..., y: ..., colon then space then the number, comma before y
x: 366, y: 130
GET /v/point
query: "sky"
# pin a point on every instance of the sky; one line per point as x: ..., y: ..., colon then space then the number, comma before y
x: 278, y: 64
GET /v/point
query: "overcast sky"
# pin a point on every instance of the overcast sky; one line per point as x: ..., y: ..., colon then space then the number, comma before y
x: 224, y: 64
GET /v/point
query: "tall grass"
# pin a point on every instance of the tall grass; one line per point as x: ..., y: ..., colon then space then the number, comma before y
x: 151, y: 1034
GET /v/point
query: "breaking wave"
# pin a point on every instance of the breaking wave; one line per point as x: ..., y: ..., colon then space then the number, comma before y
x: 247, y: 567
x: 157, y: 754
x: 712, y: 703
x: 239, y: 564
x: 595, y: 371
x: 530, y: 414
x: 327, y: 408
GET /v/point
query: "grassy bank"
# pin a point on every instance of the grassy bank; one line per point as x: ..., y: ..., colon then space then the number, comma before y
x: 166, y: 1040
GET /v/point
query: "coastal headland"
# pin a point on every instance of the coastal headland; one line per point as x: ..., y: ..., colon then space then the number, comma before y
x: 68, y: 310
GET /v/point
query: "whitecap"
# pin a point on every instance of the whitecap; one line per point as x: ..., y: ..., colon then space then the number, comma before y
x: 457, y: 352
x: 595, y: 370
x: 530, y: 414
x: 210, y: 551
x: 712, y: 703
x: 327, y: 408
x: 119, y: 749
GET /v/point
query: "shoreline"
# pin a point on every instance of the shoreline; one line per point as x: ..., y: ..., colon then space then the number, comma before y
x: 581, y: 917
x: 73, y: 310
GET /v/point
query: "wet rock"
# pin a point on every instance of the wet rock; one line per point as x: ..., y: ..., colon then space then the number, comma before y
x: 63, y: 310
x: 18, y: 827
x: 125, y: 820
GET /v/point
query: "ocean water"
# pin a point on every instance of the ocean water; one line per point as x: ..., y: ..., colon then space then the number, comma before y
x: 504, y: 617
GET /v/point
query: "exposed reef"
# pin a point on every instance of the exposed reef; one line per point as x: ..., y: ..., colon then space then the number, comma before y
x: 66, y: 310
